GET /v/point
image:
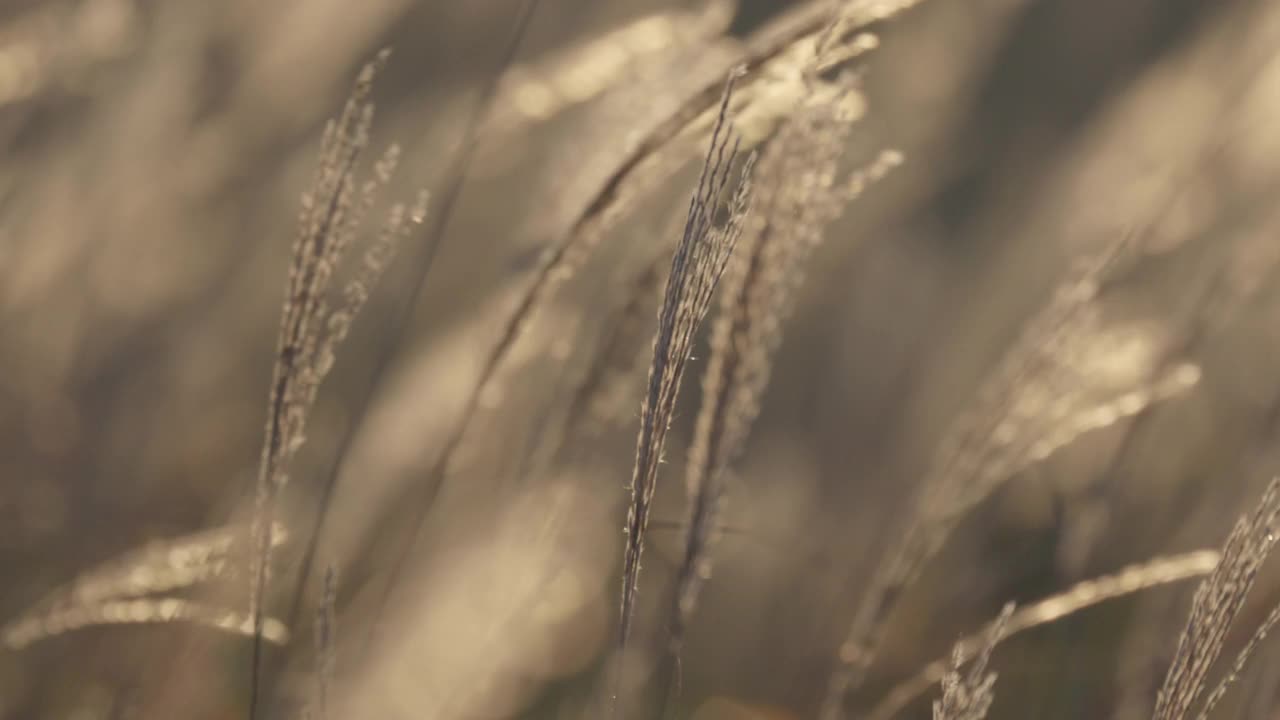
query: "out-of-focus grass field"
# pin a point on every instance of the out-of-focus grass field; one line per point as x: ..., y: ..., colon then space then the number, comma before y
x: 151, y: 159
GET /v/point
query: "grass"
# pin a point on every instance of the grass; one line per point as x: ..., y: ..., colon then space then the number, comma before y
x: 476, y: 596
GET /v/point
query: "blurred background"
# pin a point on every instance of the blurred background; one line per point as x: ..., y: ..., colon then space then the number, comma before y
x: 153, y: 157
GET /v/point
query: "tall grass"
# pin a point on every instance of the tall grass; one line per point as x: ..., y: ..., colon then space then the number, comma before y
x: 787, y: 145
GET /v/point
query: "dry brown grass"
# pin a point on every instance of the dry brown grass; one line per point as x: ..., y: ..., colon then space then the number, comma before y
x: 901, y: 404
